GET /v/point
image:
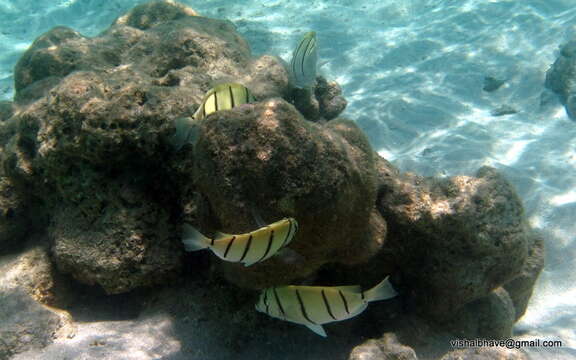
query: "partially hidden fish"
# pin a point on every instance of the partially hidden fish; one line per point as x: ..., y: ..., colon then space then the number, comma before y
x: 314, y: 306
x: 186, y: 132
x: 223, y: 97
x: 304, y: 61
x: 248, y: 248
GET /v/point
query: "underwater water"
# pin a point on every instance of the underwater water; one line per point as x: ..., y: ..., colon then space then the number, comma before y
x: 413, y: 73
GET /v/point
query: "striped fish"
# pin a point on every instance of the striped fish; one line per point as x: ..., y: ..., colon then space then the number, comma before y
x: 316, y: 305
x: 304, y: 61
x: 249, y: 248
x: 223, y: 97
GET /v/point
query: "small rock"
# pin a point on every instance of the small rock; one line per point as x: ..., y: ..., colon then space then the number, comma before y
x: 491, y: 317
x: 330, y: 99
x: 503, y: 110
x: 322, y: 102
x: 25, y: 323
x: 492, y: 83
x: 387, y: 347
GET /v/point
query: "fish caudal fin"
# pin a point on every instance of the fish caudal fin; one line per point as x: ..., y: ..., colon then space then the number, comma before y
x: 382, y: 291
x: 192, y: 239
x: 318, y: 329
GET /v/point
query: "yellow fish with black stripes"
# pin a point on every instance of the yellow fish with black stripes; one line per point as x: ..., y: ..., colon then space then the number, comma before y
x: 248, y: 248
x: 223, y: 97
x: 314, y: 306
x: 304, y: 61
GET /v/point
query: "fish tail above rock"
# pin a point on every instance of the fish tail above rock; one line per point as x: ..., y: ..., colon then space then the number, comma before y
x: 382, y: 291
x: 193, y: 240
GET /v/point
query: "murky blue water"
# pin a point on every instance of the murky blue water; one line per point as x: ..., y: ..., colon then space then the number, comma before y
x: 413, y: 72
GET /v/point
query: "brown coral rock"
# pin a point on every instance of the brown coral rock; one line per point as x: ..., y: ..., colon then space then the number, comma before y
x: 387, y: 347
x: 322, y: 102
x: 90, y: 135
x: 267, y: 157
x: 520, y: 288
x: 491, y: 317
x: 130, y: 245
x: 153, y: 13
x: 330, y: 99
x: 454, y: 239
x: 14, y: 221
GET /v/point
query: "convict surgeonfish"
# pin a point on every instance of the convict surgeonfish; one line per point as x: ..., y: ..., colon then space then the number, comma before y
x: 223, y: 97
x: 304, y: 61
x: 249, y: 248
x: 314, y: 306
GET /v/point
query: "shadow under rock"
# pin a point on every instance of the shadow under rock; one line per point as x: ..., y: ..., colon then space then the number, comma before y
x: 92, y: 304
x: 212, y: 319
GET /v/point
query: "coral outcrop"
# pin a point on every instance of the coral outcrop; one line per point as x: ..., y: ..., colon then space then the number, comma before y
x: 268, y: 158
x: 454, y: 239
x: 90, y: 139
x: 96, y: 113
x: 561, y: 75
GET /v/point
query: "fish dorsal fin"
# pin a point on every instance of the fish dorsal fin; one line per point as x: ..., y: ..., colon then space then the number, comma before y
x: 318, y: 329
x: 349, y: 288
x: 219, y: 235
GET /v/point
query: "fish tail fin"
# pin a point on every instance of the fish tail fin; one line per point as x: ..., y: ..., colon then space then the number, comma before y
x: 382, y: 291
x: 193, y: 240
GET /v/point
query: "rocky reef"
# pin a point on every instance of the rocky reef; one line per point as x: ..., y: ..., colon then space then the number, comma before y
x: 92, y: 186
x: 561, y: 75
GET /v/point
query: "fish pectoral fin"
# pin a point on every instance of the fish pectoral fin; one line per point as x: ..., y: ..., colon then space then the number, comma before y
x: 290, y: 256
x: 350, y: 288
x: 257, y: 217
x: 358, y: 311
x: 318, y: 329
